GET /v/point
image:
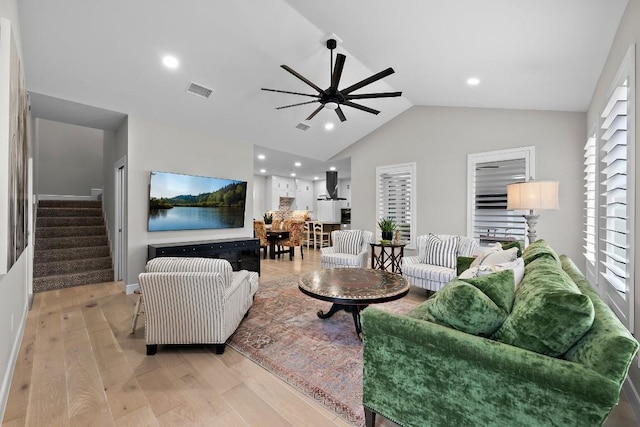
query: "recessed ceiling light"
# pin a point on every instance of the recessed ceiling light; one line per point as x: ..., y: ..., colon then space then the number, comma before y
x: 473, y: 81
x: 263, y: 170
x: 293, y: 174
x: 298, y: 164
x: 328, y: 126
x: 315, y: 178
x: 261, y: 156
x: 170, y: 61
x: 332, y: 168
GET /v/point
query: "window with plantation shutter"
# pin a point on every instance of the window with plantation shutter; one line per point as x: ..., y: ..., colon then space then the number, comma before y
x: 489, y: 221
x: 590, y: 227
x: 395, y: 198
x: 616, y: 188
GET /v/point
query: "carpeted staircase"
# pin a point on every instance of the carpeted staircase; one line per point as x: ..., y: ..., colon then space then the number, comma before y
x: 71, y: 245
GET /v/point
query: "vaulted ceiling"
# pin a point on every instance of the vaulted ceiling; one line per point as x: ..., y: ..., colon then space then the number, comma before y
x: 542, y: 54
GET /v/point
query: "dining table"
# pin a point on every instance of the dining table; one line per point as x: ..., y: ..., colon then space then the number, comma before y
x: 273, y: 235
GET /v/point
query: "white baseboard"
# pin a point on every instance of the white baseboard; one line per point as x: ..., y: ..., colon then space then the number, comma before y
x: 130, y: 288
x: 5, y: 387
x: 632, y: 397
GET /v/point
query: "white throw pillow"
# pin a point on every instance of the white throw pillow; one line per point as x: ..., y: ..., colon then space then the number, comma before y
x: 469, y: 273
x: 348, y: 241
x: 517, y: 266
x: 495, y: 256
x: 441, y: 252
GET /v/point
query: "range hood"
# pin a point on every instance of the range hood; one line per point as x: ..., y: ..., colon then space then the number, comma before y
x: 332, y: 186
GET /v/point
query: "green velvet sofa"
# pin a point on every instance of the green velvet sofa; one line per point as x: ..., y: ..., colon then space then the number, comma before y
x: 548, y: 353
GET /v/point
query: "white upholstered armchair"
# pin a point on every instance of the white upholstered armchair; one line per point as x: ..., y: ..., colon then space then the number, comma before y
x: 435, y: 264
x: 350, y: 249
x: 194, y: 301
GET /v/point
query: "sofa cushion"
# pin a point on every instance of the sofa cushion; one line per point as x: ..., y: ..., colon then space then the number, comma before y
x: 539, y: 249
x: 475, y: 306
x: 497, y: 256
x: 348, y: 241
x: 440, y: 251
x: 191, y: 264
x: 549, y: 313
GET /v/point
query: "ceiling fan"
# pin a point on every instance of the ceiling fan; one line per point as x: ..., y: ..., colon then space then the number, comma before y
x: 333, y: 98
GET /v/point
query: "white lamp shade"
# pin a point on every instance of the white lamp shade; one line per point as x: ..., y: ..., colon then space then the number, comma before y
x: 533, y: 195
x: 331, y: 105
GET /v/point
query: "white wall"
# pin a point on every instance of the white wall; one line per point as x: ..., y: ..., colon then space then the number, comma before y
x: 75, y: 150
x: 438, y: 139
x: 158, y: 146
x: 259, y: 196
x: 13, y: 303
x: 628, y: 33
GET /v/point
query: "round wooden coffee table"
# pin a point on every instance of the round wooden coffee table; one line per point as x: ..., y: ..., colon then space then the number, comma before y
x: 353, y: 289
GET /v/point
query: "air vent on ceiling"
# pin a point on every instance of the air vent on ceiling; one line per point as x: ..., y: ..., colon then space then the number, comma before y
x: 199, y: 90
x: 303, y: 125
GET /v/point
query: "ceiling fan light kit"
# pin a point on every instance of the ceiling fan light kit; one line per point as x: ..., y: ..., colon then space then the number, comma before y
x: 332, y: 98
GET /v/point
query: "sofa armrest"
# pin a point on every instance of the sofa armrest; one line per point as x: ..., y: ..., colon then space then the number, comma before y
x: 407, y: 260
x: 328, y: 250
x: 408, y: 361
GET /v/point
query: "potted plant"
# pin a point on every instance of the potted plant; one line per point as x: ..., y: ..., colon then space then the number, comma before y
x: 387, y: 225
x: 268, y: 218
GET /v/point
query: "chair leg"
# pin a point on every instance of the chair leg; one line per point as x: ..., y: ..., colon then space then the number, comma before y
x: 152, y: 349
x: 369, y: 417
x: 301, y: 252
x: 220, y: 348
x: 136, y: 313
x: 291, y: 253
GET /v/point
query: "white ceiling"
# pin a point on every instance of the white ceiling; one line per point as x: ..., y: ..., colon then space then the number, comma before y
x: 528, y: 54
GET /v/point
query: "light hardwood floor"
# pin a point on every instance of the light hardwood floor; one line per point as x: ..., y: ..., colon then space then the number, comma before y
x: 78, y: 366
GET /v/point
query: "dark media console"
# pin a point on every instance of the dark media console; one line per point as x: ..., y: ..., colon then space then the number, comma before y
x: 243, y: 253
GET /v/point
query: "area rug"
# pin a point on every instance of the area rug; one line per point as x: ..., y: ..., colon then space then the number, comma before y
x: 321, y: 358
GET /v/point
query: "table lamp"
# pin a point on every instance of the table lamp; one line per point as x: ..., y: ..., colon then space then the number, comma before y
x: 532, y: 196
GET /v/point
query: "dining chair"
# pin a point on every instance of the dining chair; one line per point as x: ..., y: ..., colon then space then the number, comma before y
x: 308, y: 234
x: 260, y: 232
x: 320, y: 237
x: 296, y: 236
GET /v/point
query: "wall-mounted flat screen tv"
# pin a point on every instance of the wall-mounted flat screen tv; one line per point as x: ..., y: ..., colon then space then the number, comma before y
x: 189, y: 202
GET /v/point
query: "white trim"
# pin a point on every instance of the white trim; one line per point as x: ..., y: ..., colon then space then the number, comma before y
x: 528, y: 153
x: 120, y: 220
x: 130, y: 288
x: 13, y: 358
x: 623, y: 304
x: 633, y: 398
x: 5, y: 112
x: 390, y: 169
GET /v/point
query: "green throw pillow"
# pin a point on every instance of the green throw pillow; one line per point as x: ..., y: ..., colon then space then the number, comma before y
x: 498, y: 287
x: 549, y: 315
x: 516, y: 244
x: 469, y: 306
x: 538, y: 249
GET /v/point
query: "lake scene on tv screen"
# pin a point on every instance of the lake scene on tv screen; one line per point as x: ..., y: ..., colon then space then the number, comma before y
x: 189, y: 202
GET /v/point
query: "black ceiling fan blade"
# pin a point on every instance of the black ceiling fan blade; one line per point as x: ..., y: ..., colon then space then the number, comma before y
x: 368, y: 80
x: 316, y: 111
x: 341, y: 114
x: 301, y: 77
x: 286, y: 91
x: 337, y: 71
x: 295, y: 105
x: 361, y: 107
x: 374, y: 95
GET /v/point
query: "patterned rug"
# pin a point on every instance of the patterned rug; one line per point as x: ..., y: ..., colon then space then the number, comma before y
x: 322, y: 358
